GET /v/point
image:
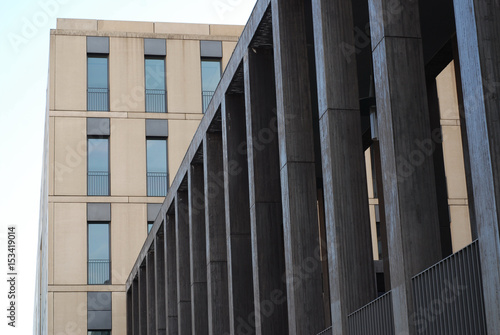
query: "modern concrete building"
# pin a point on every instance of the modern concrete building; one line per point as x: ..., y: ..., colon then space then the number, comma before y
x: 123, y: 102
x: 269, y: 226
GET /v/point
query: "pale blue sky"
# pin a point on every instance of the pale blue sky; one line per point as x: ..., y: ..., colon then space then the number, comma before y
x: 24, y: 51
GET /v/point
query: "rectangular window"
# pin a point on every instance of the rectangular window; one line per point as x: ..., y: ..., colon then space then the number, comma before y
x: 98, y: 166
x: 98, y: 253
x: 155, y: 84
x: 99, y: 332
x: 157, y: 171
x: 97, y: 83
x: 150, y: 225
x: 210, y: 77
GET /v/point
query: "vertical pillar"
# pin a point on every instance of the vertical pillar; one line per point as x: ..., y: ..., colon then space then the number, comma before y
x: 298, y: 176
x: 151, y: 295
x: 183, y: 267
x: 239, y: 245
x: 350, y: 256
x: 135, y: 306
x: 159, y: 260
x: 129, y: 312
x: 478, y: 35
x: 170, y: 274
x: 439, y: 172
x: 143, y: 301
x: 215, y: 223
x: 406, y: 149
x: 197, y: 247
x: 266, y: 220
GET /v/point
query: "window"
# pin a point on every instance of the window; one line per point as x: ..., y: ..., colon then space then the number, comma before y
x: 155, y: 84
x: 210, y: 77
x: 98, y: 166
x: 157, y: 173
x: 99, y: 318
x: 97, y: 82
x: 98, y: 253
x: 150, y: 225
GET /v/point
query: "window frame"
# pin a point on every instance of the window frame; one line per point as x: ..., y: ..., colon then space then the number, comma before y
x: 155, y: 57
x: 99, y: 55
x: 108, y: 223
x: 156, y: 138
x: 103, y: 137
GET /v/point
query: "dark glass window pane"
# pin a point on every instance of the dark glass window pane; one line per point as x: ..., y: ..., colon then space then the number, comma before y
x: 98, y: 253
x: 210, y: 74
x: 99, y: 332
x: 97, y: 72
x: 150, y: 225
x: 155, y: 73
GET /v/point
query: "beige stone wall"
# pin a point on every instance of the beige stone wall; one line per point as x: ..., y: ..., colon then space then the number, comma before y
x: 70, y: 313
x: 227, y: 51
x: 180, y: 135
x: 128, y: 157
x: 70, y: 68
x: 119, y: 313
x: 126, y: 74
x: 70, y: 156
x: 453, y: 158
x: 70, y: 243
x: 372, y: 203
x: 183, y: 76
x: 128, y: 233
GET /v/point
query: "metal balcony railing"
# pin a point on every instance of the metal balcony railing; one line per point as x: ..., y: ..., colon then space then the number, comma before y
x: 375, y: 318
x: 449, y: 295
x: 98, y: 183
x: 98, y: 272
x: 157, y: 184
x: 207, y: 96
x: 155, y: 101
x: 327, y: 331
x: 97, y: 99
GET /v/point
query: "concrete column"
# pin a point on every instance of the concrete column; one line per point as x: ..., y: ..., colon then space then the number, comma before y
x: 197, y: 246
x: 239, y: 245
x: 266, y: 218
x: 406, y: 148
x: 151, y: 295
x: 183, y: 259
x: 478, y: 35
x: 170, y: 274
x: 215, y: 225
x: 143, y: 301
x: 159, y: 260
x: 347, y: 218
x: 135, y: 306
x: 130, y: 315
x: 298, y: 176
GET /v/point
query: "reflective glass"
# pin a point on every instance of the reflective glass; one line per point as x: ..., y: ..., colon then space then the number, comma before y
x: 97, y: 72
x: 210, y: 74
x: 155, y: 74
x: 157, y: 155
x: 98, y: 155
x: 99, y: 241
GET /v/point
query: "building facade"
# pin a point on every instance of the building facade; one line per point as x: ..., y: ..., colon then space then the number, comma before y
x: 123, y: 102
x: 331, y: 117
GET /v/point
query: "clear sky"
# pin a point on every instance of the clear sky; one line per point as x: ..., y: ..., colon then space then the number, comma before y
x: 24, y: 49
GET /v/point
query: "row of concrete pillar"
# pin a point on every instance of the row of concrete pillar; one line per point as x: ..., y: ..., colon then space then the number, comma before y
x: 236, y: 249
